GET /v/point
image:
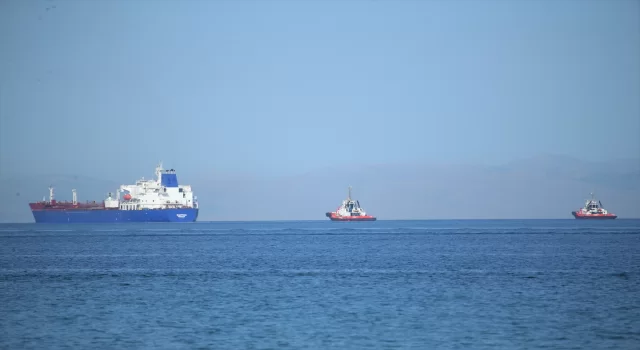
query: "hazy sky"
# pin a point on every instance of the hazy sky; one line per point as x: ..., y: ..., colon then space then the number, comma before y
x: 282, y: 87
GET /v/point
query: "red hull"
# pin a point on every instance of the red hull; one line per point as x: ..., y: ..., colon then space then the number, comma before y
x: 335, y: 217
x: 579, y: 215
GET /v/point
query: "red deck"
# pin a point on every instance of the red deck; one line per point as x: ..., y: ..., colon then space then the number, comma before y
x: 55, y: 205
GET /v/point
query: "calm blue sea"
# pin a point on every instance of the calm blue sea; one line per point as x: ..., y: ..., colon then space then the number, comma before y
x: 503, y: 284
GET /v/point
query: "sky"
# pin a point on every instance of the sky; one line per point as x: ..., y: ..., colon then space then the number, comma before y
x: 275, y: 88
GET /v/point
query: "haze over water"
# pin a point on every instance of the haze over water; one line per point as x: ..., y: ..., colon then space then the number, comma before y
x: 512, y: 284
x: 260, y: 104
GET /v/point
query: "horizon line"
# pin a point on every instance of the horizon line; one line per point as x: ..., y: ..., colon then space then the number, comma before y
x: 314, y: 220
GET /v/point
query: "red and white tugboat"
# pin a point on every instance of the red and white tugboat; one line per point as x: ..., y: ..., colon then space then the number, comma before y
x: 593, y: 210
x: 350, y: 210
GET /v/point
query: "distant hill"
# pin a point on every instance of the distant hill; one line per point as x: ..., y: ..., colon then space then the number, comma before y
x: 547, y: 186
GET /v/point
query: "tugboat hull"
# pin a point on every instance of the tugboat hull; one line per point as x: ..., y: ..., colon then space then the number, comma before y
x: 593, y: 216
x: 335, y: 217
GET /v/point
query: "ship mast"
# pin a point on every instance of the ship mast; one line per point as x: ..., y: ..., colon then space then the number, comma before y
x: 75, y: 196
x: 349, y: 197
x: 50, y: 194
x: 159, y: 172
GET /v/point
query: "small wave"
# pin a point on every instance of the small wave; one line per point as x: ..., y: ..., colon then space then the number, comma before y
x: 517, y: 273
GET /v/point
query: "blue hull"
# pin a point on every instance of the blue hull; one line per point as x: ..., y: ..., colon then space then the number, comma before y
x: 115, y: 216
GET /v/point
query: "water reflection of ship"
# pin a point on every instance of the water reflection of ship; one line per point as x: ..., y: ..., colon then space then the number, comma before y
x: 350, y: 210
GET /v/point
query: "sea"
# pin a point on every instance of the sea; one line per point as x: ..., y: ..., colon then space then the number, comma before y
x: 467, y: 284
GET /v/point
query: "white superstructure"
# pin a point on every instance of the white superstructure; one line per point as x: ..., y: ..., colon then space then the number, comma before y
x: 163, y: 192
x: 592, y: 206
x: 350, y: 207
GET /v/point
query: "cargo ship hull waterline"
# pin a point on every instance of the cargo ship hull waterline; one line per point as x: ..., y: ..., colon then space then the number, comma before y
x: 158, y: 200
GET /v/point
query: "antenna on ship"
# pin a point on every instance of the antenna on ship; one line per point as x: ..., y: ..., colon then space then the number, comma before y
x: 349, y: 198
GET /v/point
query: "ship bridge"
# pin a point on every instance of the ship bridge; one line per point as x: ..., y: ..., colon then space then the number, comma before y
x: 163, y: 192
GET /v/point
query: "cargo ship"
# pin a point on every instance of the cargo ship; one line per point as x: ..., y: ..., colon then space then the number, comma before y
x: 158, y: 200
x: 350, y: 210
x: 593, y: 210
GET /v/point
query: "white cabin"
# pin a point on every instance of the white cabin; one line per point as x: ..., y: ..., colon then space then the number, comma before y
x: 163, y: 192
